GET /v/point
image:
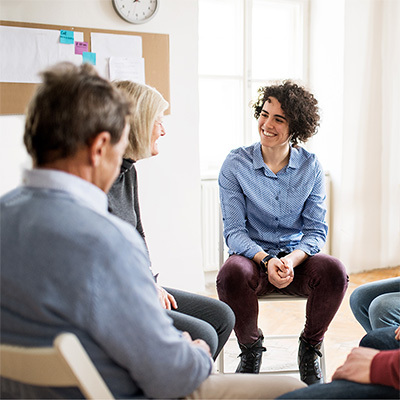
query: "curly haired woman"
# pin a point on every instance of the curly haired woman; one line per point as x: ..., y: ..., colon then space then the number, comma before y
x: 273, y: 207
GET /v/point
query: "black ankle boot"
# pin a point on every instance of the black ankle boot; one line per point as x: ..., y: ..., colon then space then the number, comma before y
x: 310, y: 372
x: 251, y: 356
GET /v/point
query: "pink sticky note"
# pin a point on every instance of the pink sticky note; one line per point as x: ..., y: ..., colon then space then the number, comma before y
x: 80, y: 47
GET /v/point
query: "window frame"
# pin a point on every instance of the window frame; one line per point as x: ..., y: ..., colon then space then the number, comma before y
x: 246, y: 78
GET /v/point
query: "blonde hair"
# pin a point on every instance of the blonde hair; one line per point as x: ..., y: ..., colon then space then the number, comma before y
x: 146, y: 105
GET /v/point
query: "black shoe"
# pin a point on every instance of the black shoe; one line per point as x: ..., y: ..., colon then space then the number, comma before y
x: 251, y: 356
x: 310, y: 372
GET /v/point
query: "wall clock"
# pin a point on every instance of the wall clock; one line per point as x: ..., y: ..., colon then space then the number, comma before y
x: 136, y: 11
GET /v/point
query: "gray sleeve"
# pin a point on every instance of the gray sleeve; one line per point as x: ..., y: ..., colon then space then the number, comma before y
x: 129, y: 322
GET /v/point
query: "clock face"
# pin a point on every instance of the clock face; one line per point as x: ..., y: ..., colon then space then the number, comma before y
x: 136, y: 11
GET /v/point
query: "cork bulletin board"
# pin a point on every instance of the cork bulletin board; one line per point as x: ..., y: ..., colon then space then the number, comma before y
x: 14, y: 96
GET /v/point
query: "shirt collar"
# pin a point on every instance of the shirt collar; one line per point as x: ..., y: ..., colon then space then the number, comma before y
x: 84, y: 191
x: 258, y: 161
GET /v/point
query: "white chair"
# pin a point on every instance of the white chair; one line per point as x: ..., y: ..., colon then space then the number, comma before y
x: 66, y: 364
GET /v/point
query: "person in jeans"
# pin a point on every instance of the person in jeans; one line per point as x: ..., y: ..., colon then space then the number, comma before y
x: 371, y: 371
x: 203, y: 317
x: 273, y: 207
x: 377, y: 304
x: 68, y: 265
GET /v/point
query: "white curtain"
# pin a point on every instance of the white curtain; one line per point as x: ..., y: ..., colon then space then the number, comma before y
x: 366, y: 222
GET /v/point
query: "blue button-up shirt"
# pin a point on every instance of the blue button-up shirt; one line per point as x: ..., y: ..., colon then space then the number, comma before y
x: 263, y: 211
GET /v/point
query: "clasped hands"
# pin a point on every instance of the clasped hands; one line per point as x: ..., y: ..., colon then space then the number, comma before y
x: 280, y: 272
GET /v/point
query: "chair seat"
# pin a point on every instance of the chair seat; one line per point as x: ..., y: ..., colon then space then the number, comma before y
x: 280, y: 297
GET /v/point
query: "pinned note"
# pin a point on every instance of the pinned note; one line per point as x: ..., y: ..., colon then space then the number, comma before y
x: 80, y: 47
x: 66, y: 37
x: 88, y: 57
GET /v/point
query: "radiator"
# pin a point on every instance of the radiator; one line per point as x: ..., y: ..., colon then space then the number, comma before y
x: 211, y: 225
x: 213, y: 247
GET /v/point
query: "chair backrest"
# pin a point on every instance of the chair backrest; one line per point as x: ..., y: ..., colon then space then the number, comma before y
x: 66, y: 363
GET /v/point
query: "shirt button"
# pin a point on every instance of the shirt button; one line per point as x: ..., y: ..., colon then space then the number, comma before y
x: 276, y: 198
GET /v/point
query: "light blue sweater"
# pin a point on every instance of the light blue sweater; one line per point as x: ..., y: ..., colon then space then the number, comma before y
x: 67, y: 265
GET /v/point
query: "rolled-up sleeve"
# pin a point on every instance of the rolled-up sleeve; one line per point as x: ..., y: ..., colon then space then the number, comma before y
x: 233, y: 207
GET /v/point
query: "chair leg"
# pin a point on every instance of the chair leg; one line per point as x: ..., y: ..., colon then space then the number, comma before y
x: 220, y: 362
x: 323, y: 363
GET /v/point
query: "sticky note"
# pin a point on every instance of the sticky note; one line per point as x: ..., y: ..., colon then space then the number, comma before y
x: 80, y: 47
x: 66, y: 37
x: 88, y: 57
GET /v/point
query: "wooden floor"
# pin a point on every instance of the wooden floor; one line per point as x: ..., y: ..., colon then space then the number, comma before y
x: 288, y: 318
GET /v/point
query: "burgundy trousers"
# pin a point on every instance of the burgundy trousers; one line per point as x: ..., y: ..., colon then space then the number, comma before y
x: 321, y: 278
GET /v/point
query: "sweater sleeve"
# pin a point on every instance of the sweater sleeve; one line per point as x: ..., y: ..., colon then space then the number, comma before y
x: 385, y: 368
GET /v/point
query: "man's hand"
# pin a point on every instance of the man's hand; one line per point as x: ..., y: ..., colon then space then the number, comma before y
x: 357, y: 365
x: 397, y: 332
x: 167, y: 300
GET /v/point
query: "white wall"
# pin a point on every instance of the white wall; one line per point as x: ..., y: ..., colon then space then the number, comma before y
x: 170, y: 182
x: 326, y: 82
x: 349, y: 40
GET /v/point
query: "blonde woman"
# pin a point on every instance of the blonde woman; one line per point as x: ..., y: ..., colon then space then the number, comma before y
x: 203, y: 317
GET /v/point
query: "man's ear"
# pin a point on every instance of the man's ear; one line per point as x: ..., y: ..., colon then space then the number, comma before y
x: 98, y: 148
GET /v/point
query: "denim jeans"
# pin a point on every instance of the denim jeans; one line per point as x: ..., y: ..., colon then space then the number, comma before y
x: 321, y: 278
x: 377, y: 304
x: 342, y: 389
x: 381, y: 339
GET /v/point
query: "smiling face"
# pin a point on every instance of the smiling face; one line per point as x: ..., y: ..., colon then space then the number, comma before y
x: 158, y: 130
x: 273, y: 126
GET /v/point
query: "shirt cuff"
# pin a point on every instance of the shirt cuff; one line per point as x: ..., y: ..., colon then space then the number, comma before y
x: 250, y: 253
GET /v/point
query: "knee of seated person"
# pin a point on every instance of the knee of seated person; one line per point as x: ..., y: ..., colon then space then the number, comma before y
x: 381, y: 339
x: 335, y: 271
x: 381, y: 311
x: 227, y: 315
x: 233, y: 273
x: 355, y: 300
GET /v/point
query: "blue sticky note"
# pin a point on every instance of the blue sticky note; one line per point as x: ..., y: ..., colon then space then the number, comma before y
x: 66, y: 37
x: 88, y: 57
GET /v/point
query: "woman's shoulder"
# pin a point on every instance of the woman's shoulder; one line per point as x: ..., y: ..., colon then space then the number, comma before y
x: 243, y: 152
x: 303, y: 155
x: 305, y: 160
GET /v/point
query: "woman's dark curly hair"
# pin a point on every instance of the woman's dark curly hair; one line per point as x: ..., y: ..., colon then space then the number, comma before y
x: 298, y: 104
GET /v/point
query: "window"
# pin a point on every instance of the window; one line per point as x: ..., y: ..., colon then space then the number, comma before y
x: 243, y: 44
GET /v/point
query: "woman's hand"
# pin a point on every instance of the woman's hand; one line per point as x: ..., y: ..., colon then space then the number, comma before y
x: 279, y: 274
x: 288, y: 268
x: 357, y: 365
x: 166, y: 299
x: 197, y: 343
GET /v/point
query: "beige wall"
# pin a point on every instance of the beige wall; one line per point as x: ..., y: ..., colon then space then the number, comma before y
x: 170, y: 182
